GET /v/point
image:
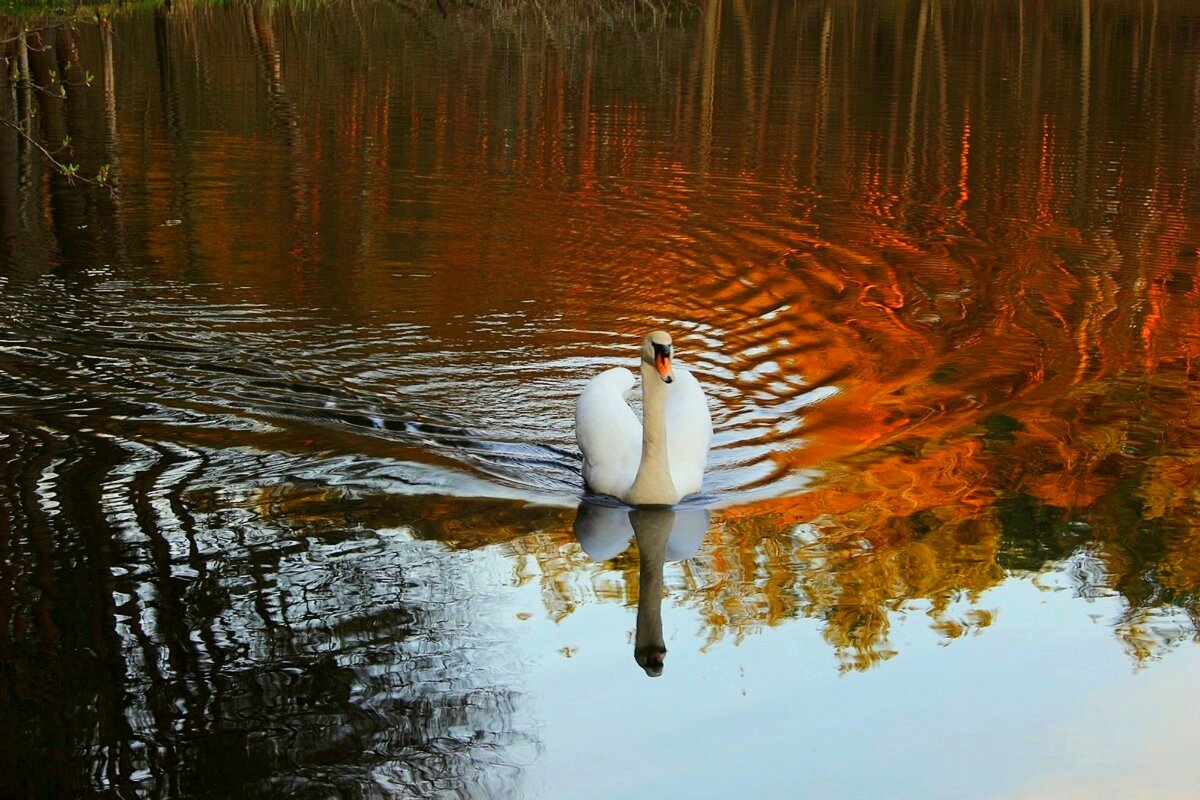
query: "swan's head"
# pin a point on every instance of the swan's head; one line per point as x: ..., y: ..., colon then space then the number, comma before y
x: 656, y: 351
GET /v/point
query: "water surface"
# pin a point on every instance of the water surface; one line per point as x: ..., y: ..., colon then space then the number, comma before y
x: 290, y: 495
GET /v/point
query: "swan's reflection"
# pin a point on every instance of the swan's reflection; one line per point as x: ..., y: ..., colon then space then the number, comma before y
x: 663, y: 534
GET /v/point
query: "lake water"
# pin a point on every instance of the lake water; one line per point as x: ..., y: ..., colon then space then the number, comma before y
x: 290, y: 504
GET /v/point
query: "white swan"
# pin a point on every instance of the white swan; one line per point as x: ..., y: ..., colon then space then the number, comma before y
x: 658, y: 464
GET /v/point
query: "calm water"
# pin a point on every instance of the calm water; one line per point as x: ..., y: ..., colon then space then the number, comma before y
x: 289, y: 495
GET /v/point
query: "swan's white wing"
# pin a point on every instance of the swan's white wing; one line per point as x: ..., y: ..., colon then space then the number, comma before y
x: 608, y: 433
x: 689, y: 430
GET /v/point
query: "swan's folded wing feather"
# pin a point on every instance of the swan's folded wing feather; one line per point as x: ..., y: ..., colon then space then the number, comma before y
x: 689, y: 432
x: 608, y: 433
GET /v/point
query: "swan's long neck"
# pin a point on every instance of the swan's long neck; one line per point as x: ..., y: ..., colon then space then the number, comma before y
x: 653, y: 485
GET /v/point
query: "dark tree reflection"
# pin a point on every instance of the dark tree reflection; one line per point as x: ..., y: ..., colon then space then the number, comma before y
x: 154, y: 646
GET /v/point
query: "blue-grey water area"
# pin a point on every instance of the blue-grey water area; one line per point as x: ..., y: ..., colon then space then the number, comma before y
x: 290, y: 501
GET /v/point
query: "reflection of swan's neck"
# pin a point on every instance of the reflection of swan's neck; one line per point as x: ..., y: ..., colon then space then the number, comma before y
x: 653, y: 485
x: 653, y: 529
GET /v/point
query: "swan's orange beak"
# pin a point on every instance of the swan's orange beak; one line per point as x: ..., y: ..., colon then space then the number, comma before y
x: 662, y: 362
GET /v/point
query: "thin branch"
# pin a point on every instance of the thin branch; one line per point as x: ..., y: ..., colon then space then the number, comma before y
x: 33, y: 33
x: 70, y: 171
x: 49, y: 91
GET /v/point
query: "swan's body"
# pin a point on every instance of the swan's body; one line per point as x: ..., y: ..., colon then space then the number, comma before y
x: 658, y: 463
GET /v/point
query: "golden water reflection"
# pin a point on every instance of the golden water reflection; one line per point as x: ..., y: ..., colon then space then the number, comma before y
x: 955, y: 288
x: 851, y: 571
x: 278, y: 393
x: 936, y: 265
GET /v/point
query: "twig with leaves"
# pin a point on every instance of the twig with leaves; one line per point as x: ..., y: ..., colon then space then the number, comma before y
x: 68, y: 170
x: 57, y: 89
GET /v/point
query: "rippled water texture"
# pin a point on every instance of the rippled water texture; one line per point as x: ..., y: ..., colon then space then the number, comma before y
x: 288, y: 481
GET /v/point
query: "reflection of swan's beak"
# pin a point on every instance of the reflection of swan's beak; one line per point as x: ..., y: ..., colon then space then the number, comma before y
x: 651, y: 660
x: 662, y: 362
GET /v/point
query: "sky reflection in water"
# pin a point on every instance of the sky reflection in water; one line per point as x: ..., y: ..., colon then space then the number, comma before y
x: 291, y: 502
